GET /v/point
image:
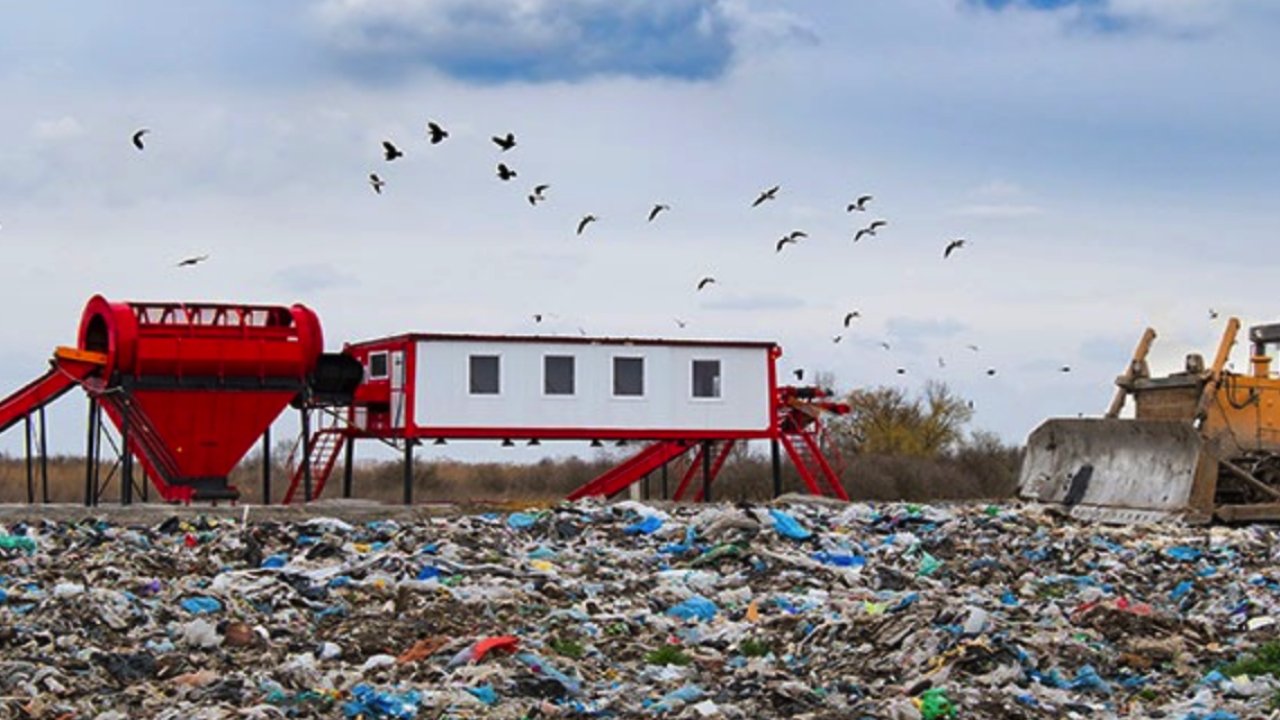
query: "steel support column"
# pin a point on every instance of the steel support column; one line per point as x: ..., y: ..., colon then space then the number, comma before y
x: 775, y: 455
x: 408, y: 471
x: 348, y: 465
x: 266, y: 466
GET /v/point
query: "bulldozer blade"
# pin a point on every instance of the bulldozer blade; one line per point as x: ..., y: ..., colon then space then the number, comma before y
x: 1121, y: 471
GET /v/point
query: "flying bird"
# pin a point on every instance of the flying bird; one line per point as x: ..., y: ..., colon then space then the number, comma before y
x: 991, y: 371
x: 952, y: 246
x: 505, y: 173
x: 870, y: 230
x: 436, y: 133
x: 942, y: 363
x: 658, y: 208
x: 390, y: 152
x: 505, y: 142
x: 770, y: 194
x: 860, y: 204
x: 790, y: 239
x: 972, y: 347
x: 902, y: 371
x: 585, y: 221
x: 849, y: 317
x: 681, y: 323
x: 884, y: 345
x: 705, y: 282
x: 376, y: 182
x: 837, y: 339
x: 537, y: 195
x: 799, y: 373
x: 1213, y: 314
x: 137, y: 138
x: 195, y: 260
x: 1065, y: 369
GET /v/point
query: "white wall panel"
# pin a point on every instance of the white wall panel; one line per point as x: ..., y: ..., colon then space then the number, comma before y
x: 441, y: 397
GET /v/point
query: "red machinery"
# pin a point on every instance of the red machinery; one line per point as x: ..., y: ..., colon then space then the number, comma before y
x: 190, y: 386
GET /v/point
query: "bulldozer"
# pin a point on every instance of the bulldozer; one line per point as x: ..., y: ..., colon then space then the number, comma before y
x: 1202, y: 445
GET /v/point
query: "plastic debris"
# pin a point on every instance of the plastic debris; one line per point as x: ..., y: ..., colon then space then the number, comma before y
x: 695, y: 608
x: 935, y: 704
x: 17, y: 542
x: 788, y: 526
x: 485, y: 694
x: 368, y: 702
x: 721, y: 611
x: 200, y: 605
x: 521, y: 521
x: 647, y: 525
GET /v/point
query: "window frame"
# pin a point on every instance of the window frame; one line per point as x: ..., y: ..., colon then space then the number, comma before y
x: 488, y: 354
x: 693, y: 383
x: 386, y: 365
x: 613, y: 379
x: 573, y: 375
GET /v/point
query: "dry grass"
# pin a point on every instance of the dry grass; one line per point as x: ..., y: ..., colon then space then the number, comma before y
x: 971, y: 473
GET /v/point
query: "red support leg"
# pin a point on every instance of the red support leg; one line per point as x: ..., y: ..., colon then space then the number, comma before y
x: 828, y: 475
x: 716, y: 465
x: 689, y: 475
x: 801, y: 466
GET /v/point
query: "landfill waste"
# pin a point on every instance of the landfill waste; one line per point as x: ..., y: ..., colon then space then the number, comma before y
x: 794, y: 609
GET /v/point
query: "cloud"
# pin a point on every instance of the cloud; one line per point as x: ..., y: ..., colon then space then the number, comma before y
x: 1002, y: 211
x: 1178, y: 17
x: 998, y: 200
x: 530, y: 40
x: 312, y: 277
x: 63, y: 128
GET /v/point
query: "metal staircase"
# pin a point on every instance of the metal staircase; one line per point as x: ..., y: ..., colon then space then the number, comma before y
x: 622, y: 476
x: 325, y: 446
x: 719, y: 451
x: 145, y: 443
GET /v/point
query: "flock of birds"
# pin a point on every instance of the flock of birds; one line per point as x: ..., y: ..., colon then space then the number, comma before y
x: 436, y: 134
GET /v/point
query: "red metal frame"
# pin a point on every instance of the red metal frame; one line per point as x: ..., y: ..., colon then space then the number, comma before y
x: 326, y: 444
x: 793, y: 418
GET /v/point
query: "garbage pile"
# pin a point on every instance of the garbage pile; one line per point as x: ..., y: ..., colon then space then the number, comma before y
x: 807, y: 610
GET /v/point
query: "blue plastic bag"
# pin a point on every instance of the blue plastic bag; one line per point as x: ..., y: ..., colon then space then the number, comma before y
x: 839, y: 559
x: 521, y: 521
x: 276, y: 561
x: 695, y: 608
x: 788, y: 526
x: 1180, y: 591
x: 1088, y: 679
x: 200, y: 605
x: 371, y: 703
x: 485, y: 694
x: 678, y: 698
x: 1183, y: 553
x: 647, y: 525
x: 690, y: 534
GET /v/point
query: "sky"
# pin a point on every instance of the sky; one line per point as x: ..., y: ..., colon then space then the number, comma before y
x: 1112, y: 164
